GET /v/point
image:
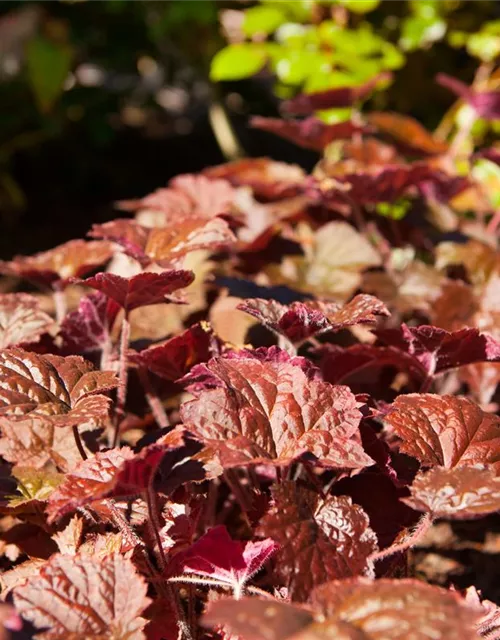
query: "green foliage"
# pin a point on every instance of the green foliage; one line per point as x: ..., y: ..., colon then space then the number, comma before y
x: 48, y: 64
x: 237, y: 61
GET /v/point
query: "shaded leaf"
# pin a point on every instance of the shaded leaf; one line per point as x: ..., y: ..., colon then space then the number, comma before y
x: 74, y: 259
x: 445, y: 430
x: 141, y: 290
x: 80, y: 597
x: 465, y: 491
x: 63, y: 391
x: 265, y: 407
x: 320, y: 539
x: 21, y: 320
x: 48, y: 65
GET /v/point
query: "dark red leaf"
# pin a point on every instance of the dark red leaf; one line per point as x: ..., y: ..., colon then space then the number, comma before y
x: 465, y: 491
x: 307, y: 103
x: 321, y: 539
x: 56, y: 267
x: 266, y: 408
x: 485, y: 103
x: 88, y: 328
x: 141, y: 290
x: 438, y: 350
x: 310, y: 133
x: 445, y: 430
x: 21, y: 320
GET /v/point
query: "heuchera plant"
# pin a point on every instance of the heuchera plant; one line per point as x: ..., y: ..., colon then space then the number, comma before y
x: 235, y: 412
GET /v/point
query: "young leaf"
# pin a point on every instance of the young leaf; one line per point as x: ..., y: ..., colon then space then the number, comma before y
x: 83, y: 597
x: 74, y: 259
x: 166, y: 245
x: 231, y: 562
x: 465, y: 491
x: 266, y: 408
x: 302, y: 320
x: 61, y: 391
x: 140, y: 290
x: 21, y: 320
x: 88, y: 328
x: 321, y: 539
x: 445, y: 430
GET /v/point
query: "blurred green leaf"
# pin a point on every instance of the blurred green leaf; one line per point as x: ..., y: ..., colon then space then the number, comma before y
x: 294, y: 67
x: 485, y: 46
x: 237, y: 61
x: 48, y: 64
x: 419, y: 31
x: 360, y: 6
x: 263, y: 19
x: 488, y: 174
x: 299, y: 10
x: 393, y: 210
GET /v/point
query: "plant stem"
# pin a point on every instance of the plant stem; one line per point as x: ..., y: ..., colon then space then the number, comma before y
x: 79, y: 443
x: 60, y: 304
x: 423, y: 525
x: 233, y: 482
x: 155, y: 525
x: 154, y: 402
x: 122, y: 378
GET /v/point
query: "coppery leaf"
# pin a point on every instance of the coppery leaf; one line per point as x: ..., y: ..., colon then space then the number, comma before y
x: 406, y: 131
x: 62, y: 391
x: 321, y: 539
x: 21, y: 320
x: 265, y: 407
x: 74, y: 259
x: 302, y: 320
x: 465, y: 491
x: 445, y: 430
x: 80, y: 597
x: 141, y: 290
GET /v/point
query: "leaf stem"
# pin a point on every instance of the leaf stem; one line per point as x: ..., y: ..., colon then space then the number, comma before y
x: 423, y: 525
x: 154, y: 522
x: 154, y: 402
x: 122, y: 378
x: 59, y: 303
x: 79, y: 443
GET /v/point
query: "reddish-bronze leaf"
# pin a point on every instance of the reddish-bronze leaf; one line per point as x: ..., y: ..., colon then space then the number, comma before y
x: 485, y: 103
x: 88, y: 328
x: 438, y: 350
x: 406, y: 131
x: 248, y: 617
x: 166, y: 245
x: 141, y: 290
x: 21, y: 320
x: 265, y: 407
x: 300, y: 321
x: 307, y: 103
x: 445, y: 430
x: 81, y: 597
x: 394, y: 609
x: 465, y: 491
x: 321, y: 539
x: 62, y: 391
x: 74, y: 259
x: 267, y: 178
x: 173, y: 358
x: 310, y: 133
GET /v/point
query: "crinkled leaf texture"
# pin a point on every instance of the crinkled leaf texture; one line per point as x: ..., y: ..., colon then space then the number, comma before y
x: 216, y: 555
x: 353, y: 609
x: 141, y: 290
x: 320, y: 539
x: 62, y: 391
x: 445, y: 430
x: 265, y: 407
x: 81, y: 597
x: 465, y: 491
x: 21, y: 320
x: 56, y: 267
x: 302, y: 320
x: 438, y: 350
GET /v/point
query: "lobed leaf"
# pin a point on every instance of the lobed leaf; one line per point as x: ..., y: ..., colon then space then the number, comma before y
x: 21, y: 320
